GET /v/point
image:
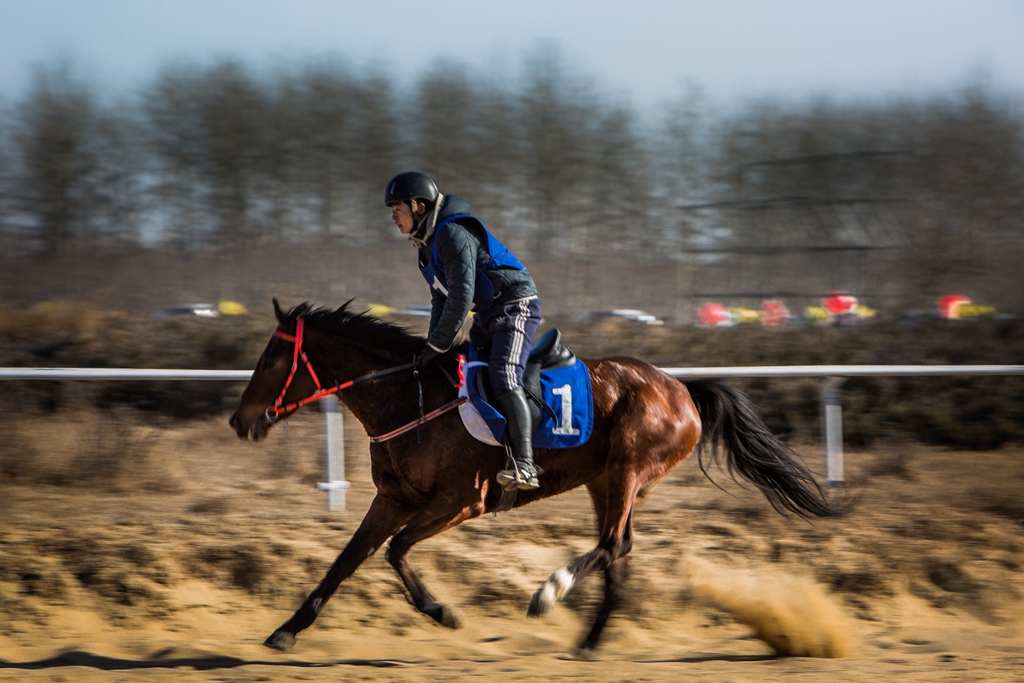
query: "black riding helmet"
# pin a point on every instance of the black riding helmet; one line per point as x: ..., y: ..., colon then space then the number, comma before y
x: 410, y: 185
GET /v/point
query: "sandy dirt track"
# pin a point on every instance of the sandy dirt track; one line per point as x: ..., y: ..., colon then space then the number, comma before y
x: 179, y: 570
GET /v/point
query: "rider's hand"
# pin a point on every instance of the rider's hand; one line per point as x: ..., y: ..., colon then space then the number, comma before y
x: 428, y: 354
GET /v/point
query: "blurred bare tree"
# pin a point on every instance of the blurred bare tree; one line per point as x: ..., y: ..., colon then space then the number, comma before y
x: 901, y: 199
x: 278, y: 179
x: 233, y: 118
x: 72, y: 176
x: 345, y: 143
x: 376, y: 152
x: 445, y: 130
x: 966, y: 178
x: 206, y: 129
x: 557, y: 113
x: 934, y: 185
x: 8, y: 232
x: 170, y: 110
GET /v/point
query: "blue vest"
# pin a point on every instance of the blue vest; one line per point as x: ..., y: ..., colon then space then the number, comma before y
x: 483, y: 295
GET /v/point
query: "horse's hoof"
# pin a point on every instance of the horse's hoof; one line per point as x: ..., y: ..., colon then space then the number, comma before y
x: 450, y: 618
x: 446, y: 616
x: 539, y: 604
x: 578, y: 654
x: 280, y: 640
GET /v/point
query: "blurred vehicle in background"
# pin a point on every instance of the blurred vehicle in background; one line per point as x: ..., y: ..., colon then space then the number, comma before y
x: 203, y: 310
x: 774, y: 313
x: 744, y: 316
x: 712, y: 314
x: 958, y: 307
x: 838, y: 303
x: 840, y: 308
x: 630, y: 314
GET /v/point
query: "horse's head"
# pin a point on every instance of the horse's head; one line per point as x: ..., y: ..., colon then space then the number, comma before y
x: 280, y: 379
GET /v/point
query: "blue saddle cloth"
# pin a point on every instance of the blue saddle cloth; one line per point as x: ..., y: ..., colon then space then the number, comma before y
x: 566, y: 389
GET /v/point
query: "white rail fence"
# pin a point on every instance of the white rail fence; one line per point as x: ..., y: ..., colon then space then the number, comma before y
x: 832, y: 377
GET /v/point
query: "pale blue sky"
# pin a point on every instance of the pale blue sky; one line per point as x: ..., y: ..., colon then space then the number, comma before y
x: 641, y: 50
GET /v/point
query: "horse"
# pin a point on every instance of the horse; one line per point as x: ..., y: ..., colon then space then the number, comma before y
x: 431, y: 475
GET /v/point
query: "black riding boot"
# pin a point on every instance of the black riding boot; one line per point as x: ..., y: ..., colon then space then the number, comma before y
x: 518, y: 426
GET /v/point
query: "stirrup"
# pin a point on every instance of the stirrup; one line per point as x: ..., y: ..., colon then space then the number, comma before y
x: 514, y: 478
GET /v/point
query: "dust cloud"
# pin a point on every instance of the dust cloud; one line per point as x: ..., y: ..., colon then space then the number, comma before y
x: 792, y: 614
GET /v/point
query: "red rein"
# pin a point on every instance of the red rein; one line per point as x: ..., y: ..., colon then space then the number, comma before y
x: 279, y: 408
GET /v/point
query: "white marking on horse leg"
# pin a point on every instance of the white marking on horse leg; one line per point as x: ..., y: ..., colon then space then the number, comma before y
x: 556, y: 587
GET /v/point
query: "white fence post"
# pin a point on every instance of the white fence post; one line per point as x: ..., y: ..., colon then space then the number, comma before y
x: 832, y: 424
x: 336, y: 486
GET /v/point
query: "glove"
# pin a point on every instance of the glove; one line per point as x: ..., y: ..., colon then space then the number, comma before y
x: 428, y: 354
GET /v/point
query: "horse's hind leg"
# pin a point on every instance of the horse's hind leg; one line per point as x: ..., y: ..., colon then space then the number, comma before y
x: 384, y: 517
x: 615, y: 520
x: 424, y: 525
x: 613, y: 499
x: 615, y: 577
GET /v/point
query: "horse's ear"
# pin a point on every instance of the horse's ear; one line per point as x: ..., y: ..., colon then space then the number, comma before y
x: 282, y: 318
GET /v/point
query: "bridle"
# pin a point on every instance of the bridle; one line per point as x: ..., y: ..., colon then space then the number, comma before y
x: 279, y: 409
x: 274, y: 412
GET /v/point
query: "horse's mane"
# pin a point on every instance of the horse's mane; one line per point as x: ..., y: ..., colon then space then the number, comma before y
x: 362, y: 328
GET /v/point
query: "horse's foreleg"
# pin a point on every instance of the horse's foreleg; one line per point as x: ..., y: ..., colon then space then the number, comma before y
x: 426, y: 524
x: 384, y: 517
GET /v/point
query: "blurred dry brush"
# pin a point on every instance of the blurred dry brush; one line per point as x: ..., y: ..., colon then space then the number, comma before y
x: 100, y: 433
x: 84, y: 448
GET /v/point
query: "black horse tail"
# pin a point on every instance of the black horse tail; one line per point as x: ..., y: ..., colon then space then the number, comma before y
x: 732, y: 426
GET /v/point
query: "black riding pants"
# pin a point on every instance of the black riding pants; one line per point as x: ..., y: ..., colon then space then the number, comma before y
x: 504, y: 334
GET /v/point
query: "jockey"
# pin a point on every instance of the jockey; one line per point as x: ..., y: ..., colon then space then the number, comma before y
x: 468, y: 269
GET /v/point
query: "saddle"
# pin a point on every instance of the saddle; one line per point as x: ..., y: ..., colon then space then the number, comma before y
x: 546, y: 353
x: 559, y: 396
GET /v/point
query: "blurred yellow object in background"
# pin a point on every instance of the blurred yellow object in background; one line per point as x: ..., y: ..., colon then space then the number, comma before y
x: 231, y: 308
x: 745, y: 315
x: 818, y: 313
x: 379, y: 310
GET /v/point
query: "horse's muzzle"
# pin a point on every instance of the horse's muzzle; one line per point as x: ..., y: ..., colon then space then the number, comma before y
x: 251, y: 431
